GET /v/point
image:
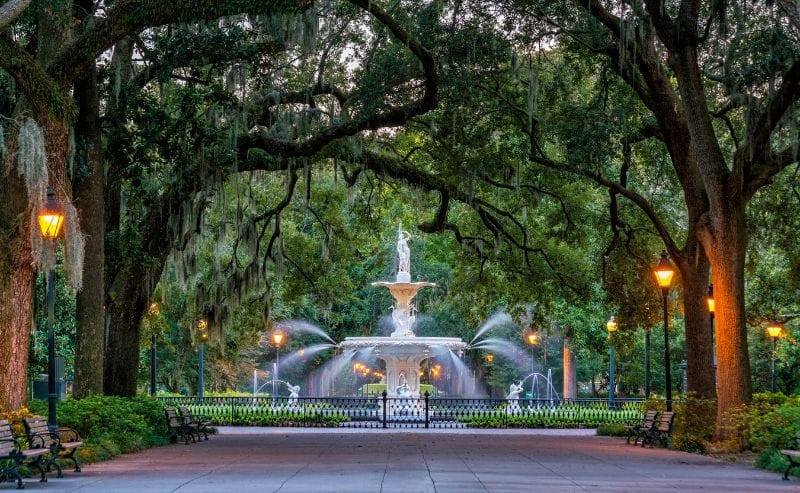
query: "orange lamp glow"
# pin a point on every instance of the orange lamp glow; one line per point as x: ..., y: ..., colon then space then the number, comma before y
x: 489, y: 358
x: 277, y: 338
x: 51, y: 217
x: 533, y: 339
x: 664, y: 271
x: 611, y: 325
x: 710, y: 299
x: 774, y: 329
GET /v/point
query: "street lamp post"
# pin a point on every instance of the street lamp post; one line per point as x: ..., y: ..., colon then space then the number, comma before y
x: 711, y: 307
x: 611, y: 327
x: 533, y: 341
x: 647, y: 363
x: 154, y: 310
x: 153, y: 364
x: 277, y: 338
x: 774, y: 329
x: 202, y: 327
x: 50, y: 219
x: 664, y: 272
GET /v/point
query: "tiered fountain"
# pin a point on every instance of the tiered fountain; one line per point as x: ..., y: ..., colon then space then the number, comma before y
x: 403, y: 352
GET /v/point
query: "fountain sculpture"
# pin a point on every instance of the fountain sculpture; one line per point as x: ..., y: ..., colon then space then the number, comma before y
x: 403, y: 351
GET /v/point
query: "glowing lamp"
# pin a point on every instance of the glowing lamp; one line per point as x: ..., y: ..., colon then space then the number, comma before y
x: 611, y: 325
x: 664, y: 272
x: 774, y: 329
x: 710, y: 299
x: 489, y: 358
x: 51, y: 217
x: 277, y: 338
x: 533, y: 339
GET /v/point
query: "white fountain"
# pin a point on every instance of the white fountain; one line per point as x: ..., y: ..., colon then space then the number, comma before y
x: 403, y: 352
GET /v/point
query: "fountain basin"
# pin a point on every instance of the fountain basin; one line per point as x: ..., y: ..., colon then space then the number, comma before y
x: 403, y: 356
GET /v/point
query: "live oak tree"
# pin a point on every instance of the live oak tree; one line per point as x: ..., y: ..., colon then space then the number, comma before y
x: 721, y: 83
x: 48, y: 57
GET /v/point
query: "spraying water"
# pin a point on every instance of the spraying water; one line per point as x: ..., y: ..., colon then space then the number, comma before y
x: 497, y: 320
x: 301, y: 326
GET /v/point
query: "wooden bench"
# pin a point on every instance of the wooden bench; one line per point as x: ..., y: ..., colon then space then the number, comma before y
x: 177, y: 427
x: 61, y: 443
x: 661, y: 430
x: 12, y: 455
x: 637, y: 431
x: 793, y: 456
x: 197, y: 423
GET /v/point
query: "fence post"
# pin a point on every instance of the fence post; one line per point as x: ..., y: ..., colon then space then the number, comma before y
x: 385, y: 404
x: 427, y: 410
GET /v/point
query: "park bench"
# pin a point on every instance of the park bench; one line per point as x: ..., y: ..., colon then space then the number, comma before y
x: 12, y: 455
x: 793, y: 456
x: 197, y: 423
x: 177, y: 427
x: 638, y: 430
x: 62, y: 443
x: 661, y: 430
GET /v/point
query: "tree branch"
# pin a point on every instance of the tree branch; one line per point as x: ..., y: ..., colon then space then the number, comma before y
x: 390, y: 118
x: 11, y: 10
x: 125, y: 17
x: 752, y: 157
x: 634, y: 197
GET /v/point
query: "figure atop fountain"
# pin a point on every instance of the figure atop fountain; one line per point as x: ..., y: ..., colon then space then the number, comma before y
x: 404, y: 255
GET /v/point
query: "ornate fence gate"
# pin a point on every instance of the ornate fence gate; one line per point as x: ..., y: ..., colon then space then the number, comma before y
x: 380, y: 411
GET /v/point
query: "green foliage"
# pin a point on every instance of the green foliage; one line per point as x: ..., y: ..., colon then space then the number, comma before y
x: 110, y: 426
x: 694, y: 423
x: 563, y: 416
x: 612, y: 430
x: 307, y: 415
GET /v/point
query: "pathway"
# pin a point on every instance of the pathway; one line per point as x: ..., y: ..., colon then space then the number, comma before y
x: 304, y: 461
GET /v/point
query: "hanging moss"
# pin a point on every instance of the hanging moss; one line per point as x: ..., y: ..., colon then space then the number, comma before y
x: 74, y: 243
x: 31, y: 158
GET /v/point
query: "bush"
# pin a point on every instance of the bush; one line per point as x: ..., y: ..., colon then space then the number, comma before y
x: 109, y: 425
x: 695, y: 418
x: 612, y: 430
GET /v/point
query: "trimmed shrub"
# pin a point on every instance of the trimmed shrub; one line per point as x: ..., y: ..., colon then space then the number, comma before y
x: 612, y: 430
x: 109, y: 425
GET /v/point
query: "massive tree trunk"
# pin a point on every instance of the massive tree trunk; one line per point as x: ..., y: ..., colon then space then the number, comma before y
x: 701, y: 378
x: 16, y: 292
x: 126, y: 309
x: 89, y: 201
x: 726, y: 248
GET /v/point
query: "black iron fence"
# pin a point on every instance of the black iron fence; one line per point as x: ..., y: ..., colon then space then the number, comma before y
x: 412, y: 412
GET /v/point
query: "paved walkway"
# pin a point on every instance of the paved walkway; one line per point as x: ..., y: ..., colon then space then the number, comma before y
x: 364, y: 461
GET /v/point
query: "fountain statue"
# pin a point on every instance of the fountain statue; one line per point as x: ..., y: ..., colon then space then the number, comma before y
x: 513, y: 398
x: 294, y: 393
x: 403, y: 351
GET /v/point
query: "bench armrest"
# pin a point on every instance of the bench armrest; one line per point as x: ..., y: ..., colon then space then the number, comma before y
x: 68, y: 435
x: 36, y: 440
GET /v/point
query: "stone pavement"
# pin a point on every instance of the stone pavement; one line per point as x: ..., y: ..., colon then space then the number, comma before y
x: 463, y: 461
